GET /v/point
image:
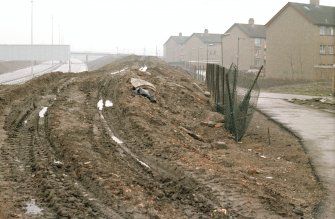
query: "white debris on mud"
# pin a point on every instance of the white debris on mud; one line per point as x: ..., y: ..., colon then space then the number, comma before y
x: 117, y: 140
x: 117, y: 72
x: 32, y: 208
x: 100, y: 104
x: 108, y: 103
x: 42, y: 112
x: 143, y: 69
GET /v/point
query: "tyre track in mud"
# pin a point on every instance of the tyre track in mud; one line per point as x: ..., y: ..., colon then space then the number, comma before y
x: 78, y: 201
x: 33, y: 162
x: 172, y: 179
x: 217, y: 195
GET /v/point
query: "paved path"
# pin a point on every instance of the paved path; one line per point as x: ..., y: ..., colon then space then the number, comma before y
x: 317, y: 131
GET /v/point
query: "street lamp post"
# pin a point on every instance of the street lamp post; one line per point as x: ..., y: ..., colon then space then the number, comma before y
x: 223, y: 35
x: 207, y: 51
x: 238, y: 50
x: 32, y: 39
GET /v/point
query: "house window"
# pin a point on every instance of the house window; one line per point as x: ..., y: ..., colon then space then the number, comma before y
x: 322, y: 31
x: 331, y: 50
x: 257, y: 42
x: 326, y: 31
x: 257, y: 62
x: 323, y: 49
x: 258, y: 53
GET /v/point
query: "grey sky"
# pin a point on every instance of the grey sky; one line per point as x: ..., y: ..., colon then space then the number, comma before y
x: 130, y: 25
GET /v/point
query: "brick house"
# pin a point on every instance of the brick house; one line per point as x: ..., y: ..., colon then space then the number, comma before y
x: 300, y: 42
x: 201, y: 48
x: 173, y: 49
x: 244, y: 45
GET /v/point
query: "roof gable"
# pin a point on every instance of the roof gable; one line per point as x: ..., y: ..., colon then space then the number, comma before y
x: 251, y: 30
x: 178, y: 39
x: 316, y: 14
x: 207, y: 38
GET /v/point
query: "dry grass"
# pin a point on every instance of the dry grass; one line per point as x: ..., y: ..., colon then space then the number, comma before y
x: 311, y: 88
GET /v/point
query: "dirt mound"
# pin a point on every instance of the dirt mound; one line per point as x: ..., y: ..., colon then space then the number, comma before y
x: 136, y: 158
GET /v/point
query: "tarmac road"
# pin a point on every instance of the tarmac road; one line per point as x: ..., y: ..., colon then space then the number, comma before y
x: 317, y: 132
x: 22, y: 75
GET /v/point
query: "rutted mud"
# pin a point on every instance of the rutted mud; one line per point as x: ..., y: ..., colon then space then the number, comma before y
x: 137, y: 159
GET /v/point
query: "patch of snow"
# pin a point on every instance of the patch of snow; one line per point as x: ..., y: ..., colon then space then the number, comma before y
x: 117, y: 140
x: 143, y: 69
x: 58, y: 162
x: 42, y: 112
x: 263, y: 156
x: 269, y: 177
x: 32, y: 208
x: 108, y: 103
x: 143, y: 164
x: 100, y: 104
x: 25, y: 121
x: 117, y: 72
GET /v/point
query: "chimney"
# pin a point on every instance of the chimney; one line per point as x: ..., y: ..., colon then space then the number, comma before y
x: 180, y: 34
x: 252, y: 21
x: 315, y: 2
x: 206, y: 31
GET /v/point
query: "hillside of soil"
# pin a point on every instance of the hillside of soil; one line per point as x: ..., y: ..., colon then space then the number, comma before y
x: 88, y: 146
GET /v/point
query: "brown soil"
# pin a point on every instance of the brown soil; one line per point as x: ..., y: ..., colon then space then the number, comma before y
x: 322, y: 103
x: 171, y: 164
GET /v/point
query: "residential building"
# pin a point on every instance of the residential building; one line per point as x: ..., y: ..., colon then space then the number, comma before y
x: 173, y: 49
x: 244, y: 45
x: 300, y: 42
x: 202, y: 48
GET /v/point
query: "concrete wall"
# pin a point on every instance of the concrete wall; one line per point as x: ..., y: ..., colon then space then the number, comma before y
x: 293, y: 48
x: 37, y: 52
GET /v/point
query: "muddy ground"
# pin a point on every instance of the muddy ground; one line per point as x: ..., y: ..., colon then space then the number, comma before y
x: 140, y: 159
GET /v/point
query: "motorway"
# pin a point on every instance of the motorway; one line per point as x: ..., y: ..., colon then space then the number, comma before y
x: 23, y: 75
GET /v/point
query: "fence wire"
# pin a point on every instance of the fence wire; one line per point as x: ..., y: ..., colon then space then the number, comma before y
x: 235, y: 95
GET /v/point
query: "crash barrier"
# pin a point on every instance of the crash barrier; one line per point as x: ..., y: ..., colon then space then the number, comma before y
x: 235, y: 95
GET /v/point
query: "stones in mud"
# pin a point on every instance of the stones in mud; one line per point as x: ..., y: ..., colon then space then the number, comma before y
x: 298, y: 211
x: 220, y: 145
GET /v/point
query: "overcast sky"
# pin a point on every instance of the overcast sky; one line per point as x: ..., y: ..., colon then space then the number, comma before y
x: 129, y: 25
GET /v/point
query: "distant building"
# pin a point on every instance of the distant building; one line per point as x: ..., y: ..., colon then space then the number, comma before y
x: 173, y: 49
x: 244, y: 45
x: 300, y: 42
x: 201, y: 48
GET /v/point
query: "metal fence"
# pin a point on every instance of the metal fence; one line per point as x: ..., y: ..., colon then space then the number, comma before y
x: 235, y: 95
x: 215, y: 85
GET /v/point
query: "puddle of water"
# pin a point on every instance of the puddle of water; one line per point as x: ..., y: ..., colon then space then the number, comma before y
x: 100, y: 104
x: 108, y: 103
x: 42, y: 112
x: 32, y: 208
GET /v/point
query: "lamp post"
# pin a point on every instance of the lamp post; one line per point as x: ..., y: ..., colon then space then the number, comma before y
x: 32, y: 40
x: 238, y: 50
x: 52, y: 38
x: 223, y: 35
x: 207, y: 51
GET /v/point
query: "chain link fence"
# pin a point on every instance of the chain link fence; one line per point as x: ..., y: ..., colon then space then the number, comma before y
x: 235, y: 95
